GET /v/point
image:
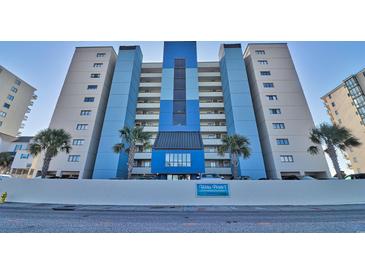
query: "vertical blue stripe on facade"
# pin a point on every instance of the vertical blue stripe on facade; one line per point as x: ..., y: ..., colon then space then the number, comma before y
x: 120, y: 112
x: 240, y: 116
x: 172, y: 51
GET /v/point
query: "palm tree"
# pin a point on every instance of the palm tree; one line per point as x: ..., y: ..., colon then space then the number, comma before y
x: 6, y: 158
x: 333, y: 137
x: 237, y: 146
x: 131, y: 137
x: 51, y: 141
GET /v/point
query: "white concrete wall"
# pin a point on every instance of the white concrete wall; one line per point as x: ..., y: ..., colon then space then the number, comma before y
x: 148, y: 192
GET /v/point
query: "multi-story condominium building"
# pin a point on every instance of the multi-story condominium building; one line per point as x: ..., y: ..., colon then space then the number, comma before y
x: 22, y: 163
x: 80, y: 110
x: 283, y: 117
x: 188, y: 106
x: 16, y: 97
x: 346, y: 107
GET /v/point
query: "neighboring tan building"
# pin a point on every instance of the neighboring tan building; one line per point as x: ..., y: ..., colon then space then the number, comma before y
x: 80, y: 111
x: 283, y: 116
x: 16, y: 97
x: 346, y: 107
x: 22, y: 163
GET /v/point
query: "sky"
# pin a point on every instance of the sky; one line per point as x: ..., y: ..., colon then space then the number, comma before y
x: 321, y: 66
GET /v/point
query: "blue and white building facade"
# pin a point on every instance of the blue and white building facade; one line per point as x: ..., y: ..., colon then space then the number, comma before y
x: 187, y: 106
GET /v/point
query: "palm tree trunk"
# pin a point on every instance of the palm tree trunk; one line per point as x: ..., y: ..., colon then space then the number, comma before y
x: 46, y: 162
x: 333, y: 156
x: 131, y: 154
x: 234, y: 161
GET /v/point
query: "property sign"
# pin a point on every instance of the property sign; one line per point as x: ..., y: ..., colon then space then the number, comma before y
x: 212, y: 190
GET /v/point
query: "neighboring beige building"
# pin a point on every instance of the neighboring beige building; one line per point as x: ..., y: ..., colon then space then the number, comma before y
x: 282, y: 113
x: 346, y: 107
x: 16, y: 97
x: 80, y: 111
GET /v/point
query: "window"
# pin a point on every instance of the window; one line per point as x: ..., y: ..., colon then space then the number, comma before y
x: 98, y: 65
x: 272, y: 97
x: 95, y: 75
x: 17, y: 147
x: 92, y: 87
x: 177, y: 159
x: 268, y: 85
x: 2, y: 114
x: 1, y: 123
x: 263, y: 62
x: 78, y: 142
x: 17, y: 82
x: 24, y: 156
x: 74, y: 158
x: 274, y: 110
x: 355, y: 159
x: 283, y: 141
x: 6, y: 105
x: 260, y: 52
x: 278, y: 125
x: 336, y: 112
x: 330, y: 96
x: 85, y: 112
x: 82, y: 126
x: 286, y: 158
x: 265, y: 73
x: 100, y: 54
x: 333, y: 104
x: 10, y: 97
x: 89, y: 99
x: 339, y: 121
x: 14, y: 89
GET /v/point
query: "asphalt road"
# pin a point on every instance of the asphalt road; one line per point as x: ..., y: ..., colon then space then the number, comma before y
x: 70, y: 218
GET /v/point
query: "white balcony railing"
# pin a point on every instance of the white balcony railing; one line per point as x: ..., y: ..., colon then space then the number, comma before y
x: 213, y: 129
x: 215, y: 156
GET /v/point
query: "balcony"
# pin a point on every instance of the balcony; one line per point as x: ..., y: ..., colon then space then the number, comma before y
x: 149, y: 95
x: 147, y: 116
x: 210, y: 84
x: 212, y: 116
x: 213, y: 129
x: 148, y: 105
x: 210, y: 94
x: 216, y: 156
x: 142, y: 155
x: 212, y: 141
x: 150, y: 129
x: 211, y: 105
x: 209, y: 74
x: 150, y: 84
x: 218, y: 170
x: 141, y: 170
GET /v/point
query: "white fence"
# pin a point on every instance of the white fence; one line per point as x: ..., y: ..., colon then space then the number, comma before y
x: 151, y: 192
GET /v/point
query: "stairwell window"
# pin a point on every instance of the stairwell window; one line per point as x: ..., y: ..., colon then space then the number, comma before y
x: 286, y: 158
x: 95, y: 75
x: 14, y: 89
x: 265, y: 73
x: 6, y: 105
x: 278, y: 125
x: 92, y: 87
x: 78, y: 142
x: 98, y: 65
x: 272, y: 97
x: 17, y: 82
x: 100, y: 54
x: 74, y: 158
x: 268, y: 85
x: 85, y: 112
x: 10, y: 97
x: 89, y: 99
x: 260, y: 52
x: 263, y: 62
x: 82, y: 126
x: 275, y: 111
x: 2, y: 114
x: 282, y: 141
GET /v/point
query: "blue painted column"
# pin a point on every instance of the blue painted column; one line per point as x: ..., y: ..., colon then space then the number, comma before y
x: 120, y: 112
x: 240, y: 115
x: 179, y: 110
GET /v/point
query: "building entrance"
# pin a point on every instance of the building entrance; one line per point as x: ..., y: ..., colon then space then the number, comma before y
x: 178, y: 177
